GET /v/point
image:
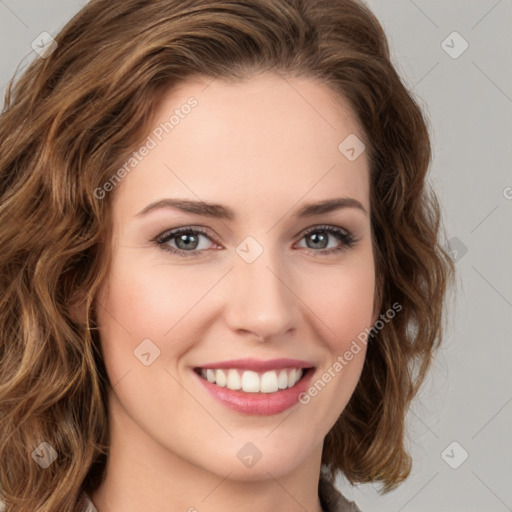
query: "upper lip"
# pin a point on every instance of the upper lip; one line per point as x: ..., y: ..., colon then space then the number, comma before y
x: 258, y: 364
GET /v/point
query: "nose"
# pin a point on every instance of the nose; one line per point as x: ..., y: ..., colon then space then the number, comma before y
x: 261, y: 301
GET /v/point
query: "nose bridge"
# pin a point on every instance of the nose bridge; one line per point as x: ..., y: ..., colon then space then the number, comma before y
x: 260, y: 300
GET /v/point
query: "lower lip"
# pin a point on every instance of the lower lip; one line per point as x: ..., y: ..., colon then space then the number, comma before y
x: 261, y: 404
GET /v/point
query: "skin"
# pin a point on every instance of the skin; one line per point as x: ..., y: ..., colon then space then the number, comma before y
x: 263, y: 147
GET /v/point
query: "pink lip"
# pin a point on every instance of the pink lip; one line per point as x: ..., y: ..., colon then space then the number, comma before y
x: 261, y: 404
x: 257, y: 365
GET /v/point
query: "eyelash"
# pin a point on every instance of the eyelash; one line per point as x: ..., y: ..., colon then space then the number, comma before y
x: 344, y: 236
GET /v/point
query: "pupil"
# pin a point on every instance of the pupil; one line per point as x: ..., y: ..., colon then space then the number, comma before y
x: 183, y: 238
x: 322, y: 238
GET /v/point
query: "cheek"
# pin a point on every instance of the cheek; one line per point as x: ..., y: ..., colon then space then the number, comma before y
x: 343, y: 299
x: 149, y: 302
x: 139, y: 305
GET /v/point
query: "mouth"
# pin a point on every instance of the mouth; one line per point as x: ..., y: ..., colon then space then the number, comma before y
x: 250, y: 381
x: 256, y: 388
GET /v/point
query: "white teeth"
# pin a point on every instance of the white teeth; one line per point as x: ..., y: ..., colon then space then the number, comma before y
x: 269, y: 382
x: 250, y: 382
x: 292, y: 378
x: 253, y: 382
x: 220, y: 378
x: 234, y: 381
x: 283, y: 379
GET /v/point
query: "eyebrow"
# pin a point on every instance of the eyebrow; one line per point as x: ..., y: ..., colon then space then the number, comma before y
x: 219, y: 211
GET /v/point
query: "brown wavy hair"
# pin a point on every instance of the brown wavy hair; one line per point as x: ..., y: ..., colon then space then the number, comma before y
x: 71, y: 120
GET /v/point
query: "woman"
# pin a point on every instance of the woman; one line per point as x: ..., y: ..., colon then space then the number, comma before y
x: 222, y: 276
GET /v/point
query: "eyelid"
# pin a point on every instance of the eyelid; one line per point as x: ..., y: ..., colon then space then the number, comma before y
x: 320, y: 227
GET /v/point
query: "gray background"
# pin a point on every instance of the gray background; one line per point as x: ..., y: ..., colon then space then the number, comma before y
x: 468, y: 100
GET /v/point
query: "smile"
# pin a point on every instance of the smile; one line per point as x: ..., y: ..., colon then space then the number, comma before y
x: 256, y: 387
x: 253, y: 382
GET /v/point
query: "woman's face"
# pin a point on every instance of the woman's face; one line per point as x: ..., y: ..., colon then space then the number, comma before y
x: 253, y: 292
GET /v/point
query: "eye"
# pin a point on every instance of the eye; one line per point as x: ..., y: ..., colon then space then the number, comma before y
x: 318, y: 237
x: 187, y: 241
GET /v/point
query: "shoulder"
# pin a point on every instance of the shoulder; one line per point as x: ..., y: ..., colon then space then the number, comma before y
x: 332, y: 500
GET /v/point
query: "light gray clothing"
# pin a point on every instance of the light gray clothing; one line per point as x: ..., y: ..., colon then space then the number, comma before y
x: 330, y: 499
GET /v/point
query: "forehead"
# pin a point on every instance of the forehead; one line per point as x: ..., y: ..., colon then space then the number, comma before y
x: 269, y: 137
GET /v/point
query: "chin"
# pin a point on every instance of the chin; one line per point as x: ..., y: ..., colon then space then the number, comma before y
x: 253, y: 460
